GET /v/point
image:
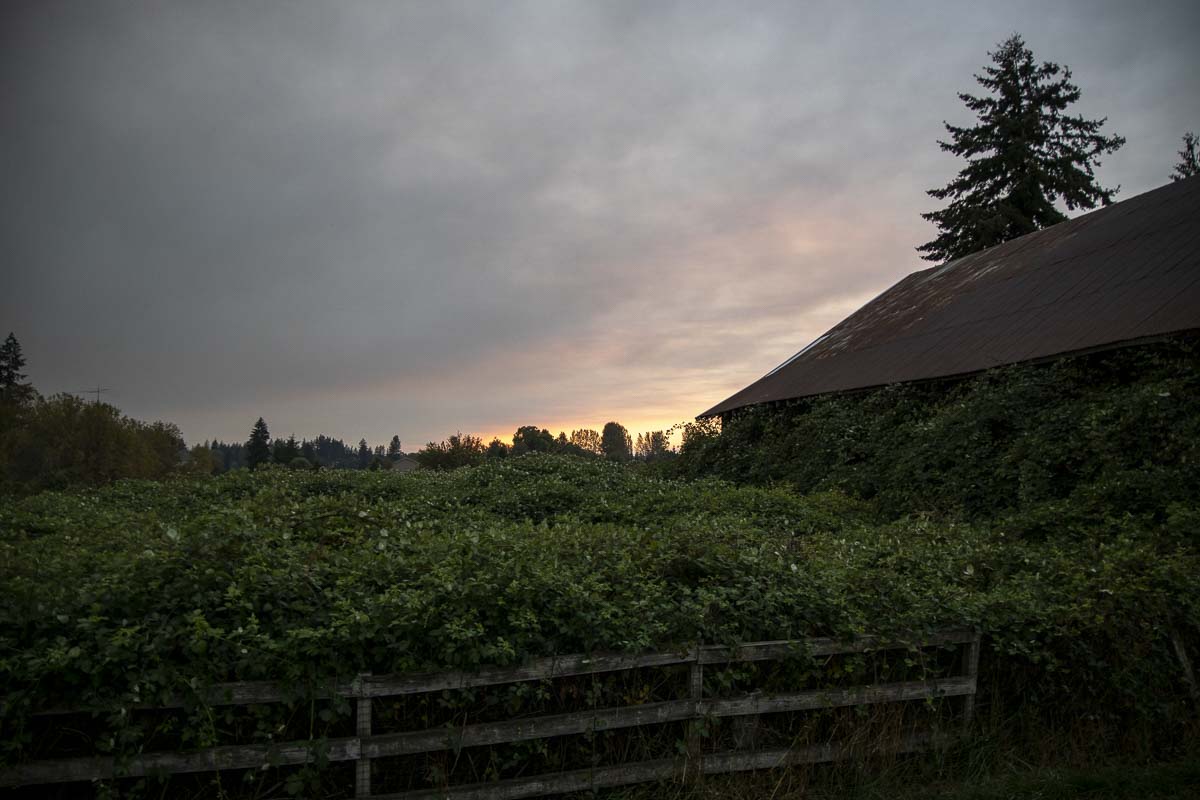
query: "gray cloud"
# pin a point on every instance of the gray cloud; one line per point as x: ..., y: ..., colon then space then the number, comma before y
x: 374, y: 218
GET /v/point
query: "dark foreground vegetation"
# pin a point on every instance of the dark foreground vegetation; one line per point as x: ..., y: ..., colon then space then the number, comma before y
x: 1108, y: 436
x: 1054, y: 507
x: 140, y: 591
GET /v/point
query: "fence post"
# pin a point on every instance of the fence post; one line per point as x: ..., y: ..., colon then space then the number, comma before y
x: 695, y: 744
x: 972, y: 671
x: 362, y: 725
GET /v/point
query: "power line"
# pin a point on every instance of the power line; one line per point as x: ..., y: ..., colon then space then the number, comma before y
x: 95, y: 391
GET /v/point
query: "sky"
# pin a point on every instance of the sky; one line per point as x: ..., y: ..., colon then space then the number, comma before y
x: 375, y: 218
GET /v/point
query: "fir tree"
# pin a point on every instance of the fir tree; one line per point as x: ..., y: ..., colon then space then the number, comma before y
x: 393, y: 450
x: 364, y: 454
x: 258, y: 446
x: 1188, y: 165
x: 1025, y: 153
x: 11, y: 363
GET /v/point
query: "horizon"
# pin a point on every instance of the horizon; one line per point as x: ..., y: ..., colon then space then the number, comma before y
x: 372, y: 220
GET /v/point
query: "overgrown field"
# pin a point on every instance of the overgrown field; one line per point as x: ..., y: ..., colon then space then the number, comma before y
x: 143, y: 590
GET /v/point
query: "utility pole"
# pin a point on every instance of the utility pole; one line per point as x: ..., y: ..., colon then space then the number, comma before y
x: 95, y: 391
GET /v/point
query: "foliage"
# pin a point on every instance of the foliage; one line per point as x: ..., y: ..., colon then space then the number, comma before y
x: 63, y: 440
x: 531, y: 439
x: 284, y: 451
x: 615, y: 442
x: 1075, y: 440
x: 14, y: 390
x: 141, y: 590
x: 460, y: 450
x: 1024, y: 153
x: 1189, y: 163
x: 587, y: 441
x: 653, y: 446
x: 201, y: 460
x: 258, y: 446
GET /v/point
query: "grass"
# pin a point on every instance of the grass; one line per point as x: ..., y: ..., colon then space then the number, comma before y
x: 912, y: 782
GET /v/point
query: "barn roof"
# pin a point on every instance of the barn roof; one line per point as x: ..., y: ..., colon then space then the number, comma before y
x: 1122, y: 273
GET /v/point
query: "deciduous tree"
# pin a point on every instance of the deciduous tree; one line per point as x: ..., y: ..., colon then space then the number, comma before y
x: 587, y: 440
x: 532, y: 439
x: 615, y: 442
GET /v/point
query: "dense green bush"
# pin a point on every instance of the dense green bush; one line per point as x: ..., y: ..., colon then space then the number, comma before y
x: 140, y: 590
x: 1113, y: 433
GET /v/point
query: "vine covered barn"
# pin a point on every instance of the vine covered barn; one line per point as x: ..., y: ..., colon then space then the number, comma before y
x: 1124, y: 274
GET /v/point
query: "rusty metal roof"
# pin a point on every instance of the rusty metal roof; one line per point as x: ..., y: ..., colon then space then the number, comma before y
x: 1121, y: 273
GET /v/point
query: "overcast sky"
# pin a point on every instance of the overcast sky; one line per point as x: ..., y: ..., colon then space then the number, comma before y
x: 373, y: 218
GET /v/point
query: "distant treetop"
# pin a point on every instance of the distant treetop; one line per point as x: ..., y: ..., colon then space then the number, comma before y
x: 1189, y: 164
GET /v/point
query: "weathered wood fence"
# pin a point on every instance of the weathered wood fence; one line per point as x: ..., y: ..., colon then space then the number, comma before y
x: 366, y: 745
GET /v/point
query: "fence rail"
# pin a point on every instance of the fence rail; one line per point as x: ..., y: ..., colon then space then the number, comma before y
x: 366, y: 745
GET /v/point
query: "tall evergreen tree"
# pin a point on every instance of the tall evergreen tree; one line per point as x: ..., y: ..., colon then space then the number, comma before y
x: 393, y: 450
x: 13, y: 388
x: 364, y: 454
x: 1025, y: 153
x: 1188, y: 165
x: 258, y: 446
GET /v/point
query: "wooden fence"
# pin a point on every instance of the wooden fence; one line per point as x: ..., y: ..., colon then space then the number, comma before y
x: 366, y: 745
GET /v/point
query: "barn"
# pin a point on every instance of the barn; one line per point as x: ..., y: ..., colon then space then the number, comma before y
x: 1125, y: 274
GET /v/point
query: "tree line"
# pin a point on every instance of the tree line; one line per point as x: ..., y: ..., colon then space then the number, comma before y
x: 613, y: 442
x: 62, y: 440
x: 322, y: 451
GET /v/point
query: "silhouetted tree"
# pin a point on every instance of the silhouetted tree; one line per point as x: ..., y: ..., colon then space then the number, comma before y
x: 13, y: 388
x: 532, y: 439
x: 653, y: 445
x: 497, y: 448
x: 460, y: 450
x: 229, y: 456
x: 284, y: 451
x: 1188, y: 164
x: 334, y: 453
x: 258, y: 446
x: 1023, y: 155
x: 615, y: 442
x: 364, y: 454
x: 587, y: 440
x: 393, y: 450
